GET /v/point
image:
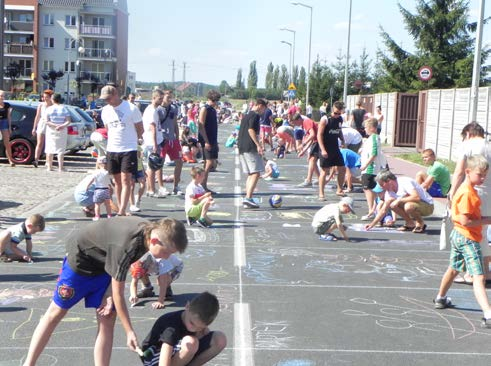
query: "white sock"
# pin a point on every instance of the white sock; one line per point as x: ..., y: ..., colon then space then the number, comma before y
x: 487, y: 314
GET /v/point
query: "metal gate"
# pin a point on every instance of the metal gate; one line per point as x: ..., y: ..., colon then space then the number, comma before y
x: 420, y: 137
x: 406, y: 120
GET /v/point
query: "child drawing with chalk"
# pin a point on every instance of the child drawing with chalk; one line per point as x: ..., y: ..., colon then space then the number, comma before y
x: 13, y: 236
x: 330, y: 218
x: 183, y: 337
x: 167, y: 270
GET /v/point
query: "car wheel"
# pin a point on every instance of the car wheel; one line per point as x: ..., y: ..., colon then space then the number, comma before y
x: 22, y: 151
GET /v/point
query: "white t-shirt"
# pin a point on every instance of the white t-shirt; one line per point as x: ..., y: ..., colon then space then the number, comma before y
x: 102, y: 179
x: 351, y: 136
x: 405, y: 186
x: 192, y: 191
x: 151, y: 116
x: 331, y: 210
x: 57, y: 113
x: 121, y: 130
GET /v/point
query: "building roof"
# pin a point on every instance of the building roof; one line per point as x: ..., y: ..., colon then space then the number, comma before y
x: 120, y: 4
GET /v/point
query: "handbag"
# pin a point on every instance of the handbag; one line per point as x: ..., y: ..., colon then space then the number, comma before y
x: 446, y: 229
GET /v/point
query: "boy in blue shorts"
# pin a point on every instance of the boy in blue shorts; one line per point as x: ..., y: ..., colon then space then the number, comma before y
x: 465, y: 252
x: 183, y: 337
x: 99, y: 257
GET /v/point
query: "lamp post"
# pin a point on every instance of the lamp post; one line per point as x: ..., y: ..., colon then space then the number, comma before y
x: 310, y: 48
x: 477, y: 64
x: 289, y: 44
x: 78, y: 63
x: 293, y: 52
x: 345, y: 89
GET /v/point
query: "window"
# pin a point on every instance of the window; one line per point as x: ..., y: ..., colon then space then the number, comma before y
x: 29, y: 17
x: 70, y: 43
x: 70, y: 20
x: 48, y: 65
x: 72, y: 66
x: 48, y: 42
x: 98, y: 21
x: 48, y: 19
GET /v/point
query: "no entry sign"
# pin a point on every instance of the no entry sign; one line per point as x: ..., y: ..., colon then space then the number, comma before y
x: 425, y: 73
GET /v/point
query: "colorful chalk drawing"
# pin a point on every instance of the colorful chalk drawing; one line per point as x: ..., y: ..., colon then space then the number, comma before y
x: 272, y: 335
x: 418, y: 316
x: 297, y: 215
x: 23, y: 293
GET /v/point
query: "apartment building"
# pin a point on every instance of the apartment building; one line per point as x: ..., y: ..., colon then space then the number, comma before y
x: 84, y: 39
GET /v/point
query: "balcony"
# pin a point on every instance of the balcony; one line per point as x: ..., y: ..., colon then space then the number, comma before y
x: 96, y: 30
x: 19, y: 26
x: 97, y: 53
x: 18, y: 49
x: 94, y: 76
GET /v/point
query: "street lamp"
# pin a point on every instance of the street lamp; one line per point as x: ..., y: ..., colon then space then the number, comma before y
x: 345, y: 89
x: 289, y: 44
x: 310, y: 47
x: 81, y: 51
x: 476, y: 71
x: 293, y: 52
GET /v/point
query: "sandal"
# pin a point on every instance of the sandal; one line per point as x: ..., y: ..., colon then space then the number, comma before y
x: 328, y: 238
x: 419, y: 229
x: 406, y: 228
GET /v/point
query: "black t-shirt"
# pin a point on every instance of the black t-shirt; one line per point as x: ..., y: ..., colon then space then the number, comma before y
x: 4, y: 112
x: 358, y: 115
x: 169, y: 329
x: 331, y: 133
x: 211, y: 126
x: 108, y: 246
x: 244, y: 142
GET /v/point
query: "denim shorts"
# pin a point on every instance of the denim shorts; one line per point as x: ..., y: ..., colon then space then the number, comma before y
x: 4, y: 124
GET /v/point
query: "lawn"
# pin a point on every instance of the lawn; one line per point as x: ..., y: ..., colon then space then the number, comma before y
x: 416, y: 158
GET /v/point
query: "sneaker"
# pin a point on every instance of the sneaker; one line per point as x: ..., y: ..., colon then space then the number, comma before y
x: 191, y: 221
x: 35, y: 163
x: 202, y: 222
x: 368, y: 217
x: 163, y: 191
x: 268, y: 179
x: 305, y: 184
x: 146, y: 292
x: 486, y: 323
x: 134, y: 208
x: 443, y: 303
x: 177, y: 191
x: 249, y: 203
x: 315, y: 182
x: 96, y: 218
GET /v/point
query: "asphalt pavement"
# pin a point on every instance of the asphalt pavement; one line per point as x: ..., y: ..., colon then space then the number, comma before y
x: 287, y: 298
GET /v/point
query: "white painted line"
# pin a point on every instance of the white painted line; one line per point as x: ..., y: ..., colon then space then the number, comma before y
x: 237, y: 174
x: 239, y: 246
x: 238, y: 201
x: 243, y: 350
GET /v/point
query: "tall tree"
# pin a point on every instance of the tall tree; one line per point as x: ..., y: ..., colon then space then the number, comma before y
x: 442, y: 36
x: 269, y: 76
x: 252, y: 78
x: 276, y: 78
x: 239, y: 84
x: 302, y: 83
x: 284, y: 78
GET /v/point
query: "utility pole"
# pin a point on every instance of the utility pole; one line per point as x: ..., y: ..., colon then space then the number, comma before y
x: 173, y: 72
x: 183, y: 72
x: 476, y: 73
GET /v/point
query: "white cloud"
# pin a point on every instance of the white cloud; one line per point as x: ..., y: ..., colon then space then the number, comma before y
x: 154, y: 51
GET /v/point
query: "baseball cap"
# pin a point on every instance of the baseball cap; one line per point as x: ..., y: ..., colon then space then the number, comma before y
x: 108, y: 91
x: 348, y: 201
x: 377, y: 189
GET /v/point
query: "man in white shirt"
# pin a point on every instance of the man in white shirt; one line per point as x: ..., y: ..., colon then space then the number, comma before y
x: 124, y: 126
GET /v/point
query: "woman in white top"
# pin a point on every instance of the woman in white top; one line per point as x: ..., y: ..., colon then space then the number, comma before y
x: 39, y: 127
x: 380, y: 118
x: 57, y: 120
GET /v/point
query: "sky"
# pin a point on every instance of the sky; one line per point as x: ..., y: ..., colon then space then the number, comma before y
x: 217, y: 38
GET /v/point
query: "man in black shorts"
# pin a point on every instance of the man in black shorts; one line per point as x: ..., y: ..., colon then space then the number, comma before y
x: 327, y: 136
x: 208, y: 134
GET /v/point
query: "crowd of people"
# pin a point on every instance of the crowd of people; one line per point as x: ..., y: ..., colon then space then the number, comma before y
x: 132, y: 149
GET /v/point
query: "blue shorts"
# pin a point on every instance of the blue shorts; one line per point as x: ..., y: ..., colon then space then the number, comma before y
x: 73, y: 287
x: 139, y: 175
x: 4, y: 124
x: 275, y: 174
x: 435, y: 190
x: 299, y: 133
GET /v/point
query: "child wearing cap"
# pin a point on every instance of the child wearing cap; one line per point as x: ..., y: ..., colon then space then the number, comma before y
x: 102, y: 192
x: 330, y: 217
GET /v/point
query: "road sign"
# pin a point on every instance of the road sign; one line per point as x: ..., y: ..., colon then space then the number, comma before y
x: 425, y: 73
x: 292, y: 93
x: 292, y: 87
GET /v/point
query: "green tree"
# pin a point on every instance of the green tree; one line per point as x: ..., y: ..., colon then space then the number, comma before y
x: 276, y: 78
x: 239, y: 84
x: 284, y: 78
x: 442, y: 36
x: 269, y: 76
x: 252, y: 79
x: 224, y: 88
x: 302, y: 83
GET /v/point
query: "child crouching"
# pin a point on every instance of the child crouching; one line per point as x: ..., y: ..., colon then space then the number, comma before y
x: 329, y: 218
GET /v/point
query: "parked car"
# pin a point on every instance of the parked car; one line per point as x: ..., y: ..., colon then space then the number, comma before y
x: 22, y: 141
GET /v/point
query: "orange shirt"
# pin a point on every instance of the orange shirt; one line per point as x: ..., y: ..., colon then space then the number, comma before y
x: 466, y: 201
